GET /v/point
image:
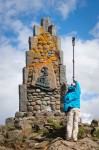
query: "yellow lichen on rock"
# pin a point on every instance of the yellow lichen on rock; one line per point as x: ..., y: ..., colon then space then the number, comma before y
x: 41, y: 30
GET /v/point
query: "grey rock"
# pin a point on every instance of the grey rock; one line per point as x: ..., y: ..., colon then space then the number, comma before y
x: 58, y: 42
x: 29, y: 91
x: 43, y: 107
x: 46, y: 98
x: 58, y: 107
x: 33, y: 103
x: 33, y: 42
x: 38, y: 90
x: 30, y: 108
x: 30, y: 97
x: 57, y: 96
x: 5, y: 148
x: 49, y: 93
x: 53, y: 98
x: 26, y: 127
x: 53, y: 103
x: 35, y: 94
x: 28, y: 104
x: 25, y: 75
x: 95, y: 123
x: 62, y: 74
x: 28, y: 114
x: 48, y: 102
x: 53, y: 106
x: 10, y: 121
x: 36, y: 107
x: 83, y: 144
x: 41, y: 145
x: 19, y: 114
x: 15, y: 134
x: 22, y: 98
x: 29, y: 57
x: 57, y: 113
x: 36, y: 30
x: 57, y: 102
x: 52, y: 29
x: 49, y: 113
x: 2, y: 139
x: 42, y: 93
x: 39, y: 96
x: 44, y: 102
x: 61, y: 57
x: 38, y: 102
x: 45, y: 22
x: 30, y: 100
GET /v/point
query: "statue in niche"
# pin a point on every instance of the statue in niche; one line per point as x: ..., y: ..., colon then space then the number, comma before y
x: 43, y: 81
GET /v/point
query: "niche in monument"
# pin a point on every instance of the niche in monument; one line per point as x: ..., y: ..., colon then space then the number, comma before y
x: 44, y: 78
x: 44, y: 74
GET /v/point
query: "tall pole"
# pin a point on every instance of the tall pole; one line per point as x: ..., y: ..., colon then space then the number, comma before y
x: 73, y: 44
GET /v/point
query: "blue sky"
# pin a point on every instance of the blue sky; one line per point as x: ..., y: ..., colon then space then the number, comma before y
x: 72, y: 18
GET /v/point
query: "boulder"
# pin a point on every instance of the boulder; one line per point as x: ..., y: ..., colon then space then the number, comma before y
x: 1, y: 139
x: 95, y: 123
x: 15, y: 134
x: 5, y: 148
x: 41, y: 145
x: 19, y: 114
x: 9, y: 121
x: 83, y: 144
x: 25, y: 126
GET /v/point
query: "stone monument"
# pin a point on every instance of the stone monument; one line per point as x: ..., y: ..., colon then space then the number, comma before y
x: 44, y: 75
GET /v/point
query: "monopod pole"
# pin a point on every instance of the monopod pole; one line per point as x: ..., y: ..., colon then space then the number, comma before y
x: 73, y: 44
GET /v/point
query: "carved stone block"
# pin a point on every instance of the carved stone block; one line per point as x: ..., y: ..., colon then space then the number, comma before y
x: 45, y: 22
x: 60, y: 57
x: 25, y: 75
x: 36, y: 30
x: 44, y: 79
x: 22, y: 97
x: 52, y: 29
x: 62, y: 74
x: 33, y: 42
x: 58, y: 44
x: 29, y: 57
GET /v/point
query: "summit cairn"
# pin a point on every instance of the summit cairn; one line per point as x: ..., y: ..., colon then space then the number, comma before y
x: 43, y: 77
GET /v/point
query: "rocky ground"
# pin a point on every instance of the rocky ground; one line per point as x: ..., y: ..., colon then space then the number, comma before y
x: 46, y: 132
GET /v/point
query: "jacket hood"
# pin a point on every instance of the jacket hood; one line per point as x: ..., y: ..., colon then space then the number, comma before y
x: 71, y: 88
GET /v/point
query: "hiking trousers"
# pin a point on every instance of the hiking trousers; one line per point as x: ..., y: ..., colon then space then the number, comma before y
x: 72, y: 123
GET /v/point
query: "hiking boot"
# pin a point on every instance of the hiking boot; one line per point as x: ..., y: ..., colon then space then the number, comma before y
x: 75, y: 140
x: 68, y: 139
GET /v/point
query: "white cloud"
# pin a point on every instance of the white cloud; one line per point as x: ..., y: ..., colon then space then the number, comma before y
x: 12, y: 11
x: 18, y: 6
x: 95, y: 31
x: 34, y: 7
x: 90, y: 109
x: 11, y: 64
x: 12, y: 60
x: 66, y: 7
x: 22, y: 32
x: 86, y: 61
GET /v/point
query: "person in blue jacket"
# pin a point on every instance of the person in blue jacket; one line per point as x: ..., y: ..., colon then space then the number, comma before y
x: 72, y: 110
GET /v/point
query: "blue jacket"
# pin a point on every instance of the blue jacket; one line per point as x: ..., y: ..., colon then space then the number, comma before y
x: 72, y: 97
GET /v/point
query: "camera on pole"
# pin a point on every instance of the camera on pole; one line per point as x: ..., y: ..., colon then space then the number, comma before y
x: 73, y: 44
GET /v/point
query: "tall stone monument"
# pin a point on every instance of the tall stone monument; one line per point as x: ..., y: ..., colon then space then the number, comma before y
x: 44, y: 75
